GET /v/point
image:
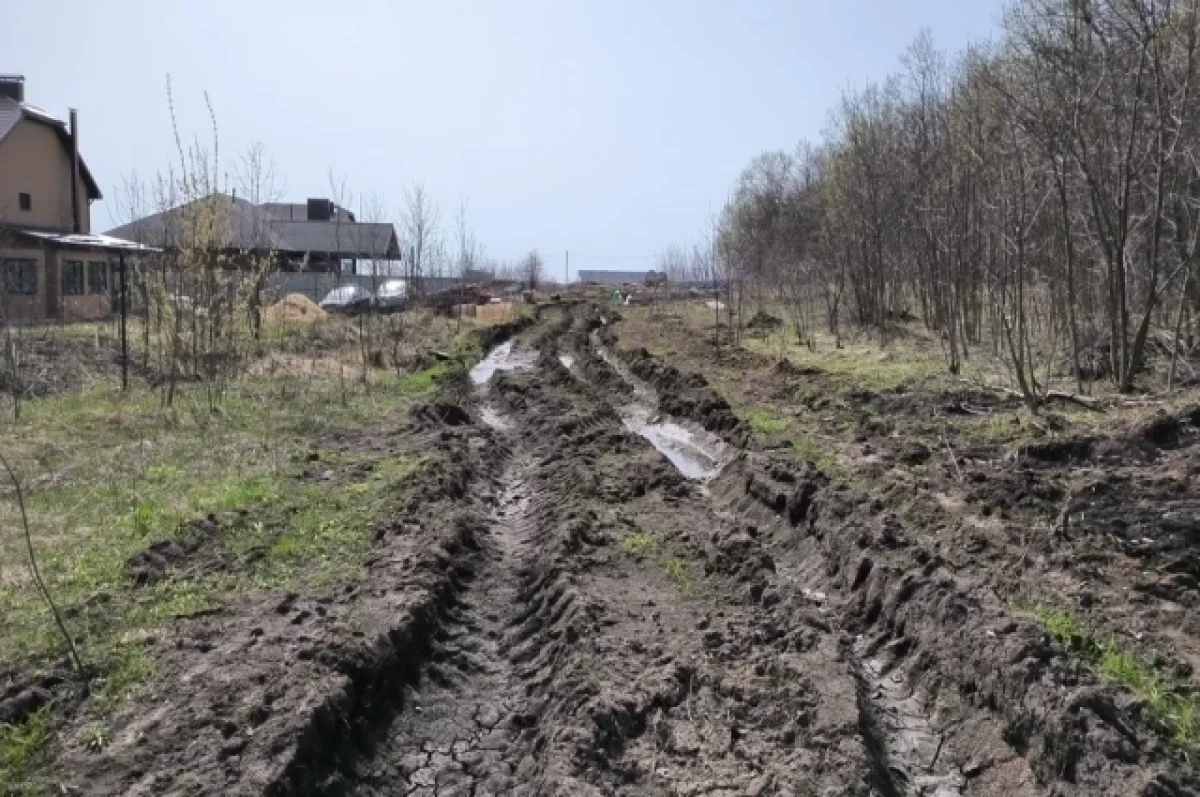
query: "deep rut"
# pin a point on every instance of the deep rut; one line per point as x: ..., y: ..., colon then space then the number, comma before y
x: 459, y: 733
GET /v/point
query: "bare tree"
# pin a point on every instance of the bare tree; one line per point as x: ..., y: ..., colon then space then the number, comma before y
x: 531, y: 269
x: 422, y: 233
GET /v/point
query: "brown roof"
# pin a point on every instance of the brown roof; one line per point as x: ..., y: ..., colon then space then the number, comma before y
x: 12, y: 112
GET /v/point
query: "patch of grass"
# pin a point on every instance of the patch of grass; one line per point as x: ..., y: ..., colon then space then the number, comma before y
x: 423, y: 382
x: 679, y: 570
x: 638, y: 543
x: 97, y: 737
x: 1175, y: 704
x: 809, y: 450
x: 24, y: 748
x: 765, y: 422
x: 122, y: 674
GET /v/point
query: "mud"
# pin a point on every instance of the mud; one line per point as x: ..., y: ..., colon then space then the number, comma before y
x: 561, y: 607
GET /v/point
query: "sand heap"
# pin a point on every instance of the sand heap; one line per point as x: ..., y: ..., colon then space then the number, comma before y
x: 295, y: 308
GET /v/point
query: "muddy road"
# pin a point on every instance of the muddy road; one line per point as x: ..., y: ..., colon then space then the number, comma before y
x: 610, y: 592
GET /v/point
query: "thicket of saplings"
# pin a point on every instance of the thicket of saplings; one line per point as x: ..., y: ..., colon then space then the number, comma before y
x: 1037, y: 198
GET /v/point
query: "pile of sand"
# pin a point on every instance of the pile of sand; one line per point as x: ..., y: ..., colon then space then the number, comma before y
x: 295, y: 308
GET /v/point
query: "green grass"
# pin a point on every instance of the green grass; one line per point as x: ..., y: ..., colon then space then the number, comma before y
x: 638, y: 543
x: 106, y: 474
x: 679, y: 570
x: 423, y: 382
x: 24, y: 748
x: 127, y: 668
x: 764, y: 421
x: 1176, y: 704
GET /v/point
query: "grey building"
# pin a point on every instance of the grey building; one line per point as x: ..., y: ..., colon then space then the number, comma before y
x: 318, y: 236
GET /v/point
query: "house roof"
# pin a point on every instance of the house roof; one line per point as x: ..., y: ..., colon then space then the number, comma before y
x: 613, y: 277
x: 244, y: 225
x: 105, y: 243
x: 12, y: 112
x: 349, y: 239
x: 298, y: 211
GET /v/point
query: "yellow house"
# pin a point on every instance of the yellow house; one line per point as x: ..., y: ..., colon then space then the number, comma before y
x: 52, y: 267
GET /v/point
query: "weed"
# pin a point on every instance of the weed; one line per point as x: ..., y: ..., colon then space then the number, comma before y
x: 420, y: 383
x: 123, y: 672
x: 810, y: 451
x: 679, y: 570
x: 23, y: 749
x: 765, y: 422
x: 638, y: 543
x: 97, y: 737
x: 1174, y: 704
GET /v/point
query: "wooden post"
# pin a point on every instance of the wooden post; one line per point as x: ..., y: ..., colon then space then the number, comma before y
x: 124, y: 336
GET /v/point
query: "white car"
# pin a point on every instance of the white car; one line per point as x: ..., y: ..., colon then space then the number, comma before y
x: 348, y: 299
x: 392, y: 296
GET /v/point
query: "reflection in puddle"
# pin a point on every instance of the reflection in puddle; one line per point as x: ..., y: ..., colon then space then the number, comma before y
x: 502, y: 358
x: 493, y: 418
x: 697, y: 454
x: 693, y: 460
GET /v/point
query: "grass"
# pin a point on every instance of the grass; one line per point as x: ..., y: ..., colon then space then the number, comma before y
x: 128, y: 668
x: 764, y: 421
x: 809, y: 450
x: 107, y: 472
x: 1176, y: 704
x: 678, y: 569
x: 423, y: 382
x: 24, y: 748
x: 638, y: 543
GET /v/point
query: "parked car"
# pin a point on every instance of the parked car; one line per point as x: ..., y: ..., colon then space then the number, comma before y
x: 348, y: 299
x: 392, y: 296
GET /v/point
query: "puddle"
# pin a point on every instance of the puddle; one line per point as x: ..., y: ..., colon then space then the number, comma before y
x: 913, y: 747
x: 698, y: 455
x: 676, y: 443
x: 568, y: 361
x: 502, y: 358
x: 490, y: 416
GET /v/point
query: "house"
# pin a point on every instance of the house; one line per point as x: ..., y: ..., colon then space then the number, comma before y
x: 53, y: 267
x: 317, y: 236
x: 613, y: 277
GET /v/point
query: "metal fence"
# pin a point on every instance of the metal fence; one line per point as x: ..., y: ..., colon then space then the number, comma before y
x: 316, y: 285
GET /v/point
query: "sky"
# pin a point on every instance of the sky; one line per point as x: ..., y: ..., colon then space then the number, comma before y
x: 607, y: 128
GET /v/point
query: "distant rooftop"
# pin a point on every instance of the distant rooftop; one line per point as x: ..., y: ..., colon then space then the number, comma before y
x: 325, y: 229
x: 613, y: 277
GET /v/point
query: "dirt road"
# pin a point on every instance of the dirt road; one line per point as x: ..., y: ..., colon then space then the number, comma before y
x: 599, y: 596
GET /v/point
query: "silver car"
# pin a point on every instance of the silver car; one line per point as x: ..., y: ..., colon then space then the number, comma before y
x: 348, y: 299
x: 392, y: 296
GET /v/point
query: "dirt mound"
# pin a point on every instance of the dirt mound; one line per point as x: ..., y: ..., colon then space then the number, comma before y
x: 198, y: 548
x: 764, y: 322
x: 295, y: 308
x: 441, y: 414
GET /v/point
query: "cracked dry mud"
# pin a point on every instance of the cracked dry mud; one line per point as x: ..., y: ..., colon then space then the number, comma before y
x: 564, y: 611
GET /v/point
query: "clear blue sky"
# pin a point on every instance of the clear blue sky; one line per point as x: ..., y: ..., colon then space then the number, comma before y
x: 606, y: 127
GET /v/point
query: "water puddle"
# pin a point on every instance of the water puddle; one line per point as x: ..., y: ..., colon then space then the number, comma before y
x: 695, y: 460
x: 502, y: 358
x: 492, y: 417
x: 698, y: 455
x: 914, y: 748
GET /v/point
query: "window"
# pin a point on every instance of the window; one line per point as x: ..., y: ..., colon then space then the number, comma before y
x: 26, y: 201
x: 72, y: 277
x: 97, y: 277
x: 21, y: 277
